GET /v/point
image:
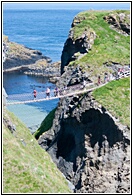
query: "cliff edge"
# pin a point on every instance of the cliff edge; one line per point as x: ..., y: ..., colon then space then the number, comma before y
x: 89, y: 139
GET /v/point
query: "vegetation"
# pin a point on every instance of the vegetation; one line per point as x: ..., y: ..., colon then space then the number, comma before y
x: 27, y: 168
x: 46, y: 124
x: 115, y: 97
x: 109, y: 45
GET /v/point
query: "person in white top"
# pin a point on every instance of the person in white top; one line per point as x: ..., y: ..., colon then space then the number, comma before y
x: 48, y: 92
x: 84, y: 84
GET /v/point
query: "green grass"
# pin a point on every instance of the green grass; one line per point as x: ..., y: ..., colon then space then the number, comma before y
x: 115, y: 97
x: 109, y: 46
x: 46, y: 124
x: 28, y: 169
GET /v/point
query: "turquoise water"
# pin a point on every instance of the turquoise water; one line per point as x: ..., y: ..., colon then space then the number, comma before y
x: 34, y: 113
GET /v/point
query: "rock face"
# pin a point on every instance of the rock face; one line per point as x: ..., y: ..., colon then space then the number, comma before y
x: 120, y: 22
x: 74, y: 47
x: 73, y: 76
x: 19, y: 57
x: 89, y: 146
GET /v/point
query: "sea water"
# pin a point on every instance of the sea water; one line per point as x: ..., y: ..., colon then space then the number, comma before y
x: 44, y: 30
x: 31, y: 114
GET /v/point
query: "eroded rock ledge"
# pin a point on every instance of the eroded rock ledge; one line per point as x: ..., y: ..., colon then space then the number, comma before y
x: 20, y: 56
x: 29, y: 61
x: 89, y: 146
x: 72, y: 47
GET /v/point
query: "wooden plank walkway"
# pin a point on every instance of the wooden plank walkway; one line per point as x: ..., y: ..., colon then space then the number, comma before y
x: 74, y: 92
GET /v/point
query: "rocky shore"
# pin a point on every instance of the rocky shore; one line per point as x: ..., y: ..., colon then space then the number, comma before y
x: 44, y: 69
x: 29, y: 61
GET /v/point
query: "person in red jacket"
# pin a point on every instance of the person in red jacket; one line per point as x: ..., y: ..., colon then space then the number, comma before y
x: 35, y: 93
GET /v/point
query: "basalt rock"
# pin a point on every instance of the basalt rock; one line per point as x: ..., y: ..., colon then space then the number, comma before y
x: 42, y: 68
x: 18, y: 57
x: 90, y: 147
x: 74, y: 77
x: 80, y: 45
x: 120, y: 22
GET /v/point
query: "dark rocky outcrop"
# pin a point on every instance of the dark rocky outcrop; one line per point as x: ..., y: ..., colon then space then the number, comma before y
x: 73, y: 76
x: 89, y: 146
x: 74, y: 48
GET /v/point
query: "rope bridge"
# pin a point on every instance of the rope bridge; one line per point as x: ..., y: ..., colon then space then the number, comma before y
x: 69, y: 91
x: 41, y: 96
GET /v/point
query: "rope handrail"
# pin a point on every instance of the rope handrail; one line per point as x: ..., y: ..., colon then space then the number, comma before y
x: 69, y: 91
x: 55, y: 97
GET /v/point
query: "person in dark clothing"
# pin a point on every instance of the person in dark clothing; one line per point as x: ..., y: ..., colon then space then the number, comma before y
x: 99, y: 80
x: 56, y: 92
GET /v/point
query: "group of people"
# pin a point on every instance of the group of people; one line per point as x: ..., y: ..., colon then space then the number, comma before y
x: 117, y: 75
x: 107, y: 78
x: 57, y: 92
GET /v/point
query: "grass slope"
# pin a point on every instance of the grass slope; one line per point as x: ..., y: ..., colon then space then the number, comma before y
x: 109, y: 45
x: 115, y: 97
x: 27, y: 168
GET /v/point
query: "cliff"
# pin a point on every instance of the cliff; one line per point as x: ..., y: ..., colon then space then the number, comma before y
x: 90, y: 146
x: 90, y: 136
x: 97, y: 39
